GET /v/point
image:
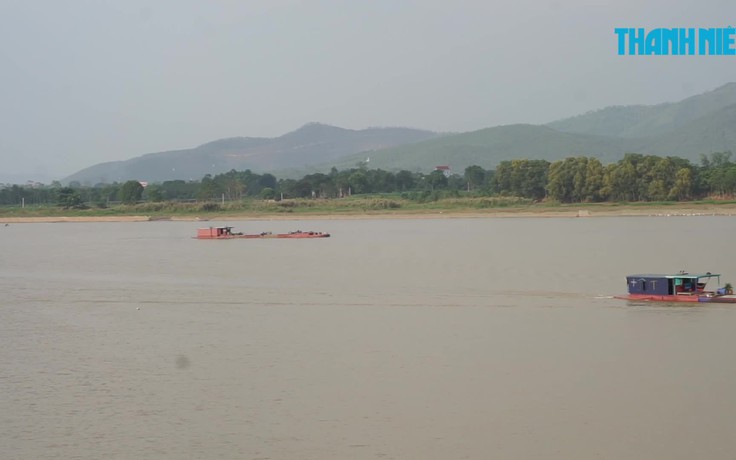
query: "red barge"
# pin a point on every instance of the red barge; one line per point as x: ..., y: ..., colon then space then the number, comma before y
x: 226, y: 233
x: 680, y: 287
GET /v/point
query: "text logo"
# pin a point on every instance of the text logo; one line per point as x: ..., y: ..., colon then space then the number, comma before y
x: 716, y: 41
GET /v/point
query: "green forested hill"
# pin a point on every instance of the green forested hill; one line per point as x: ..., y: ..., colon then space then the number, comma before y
x: 313, y: 143
x: 697, y: 125
x: 640, y: 121
x: 488, y: 147
x: 715, y: 131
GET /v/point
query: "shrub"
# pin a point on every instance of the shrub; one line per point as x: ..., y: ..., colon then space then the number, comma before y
x: 209, y: 207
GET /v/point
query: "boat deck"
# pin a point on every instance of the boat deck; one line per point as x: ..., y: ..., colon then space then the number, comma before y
x: 684, y: 297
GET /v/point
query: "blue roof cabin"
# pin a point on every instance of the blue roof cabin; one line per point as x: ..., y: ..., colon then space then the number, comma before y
x: 681, y: 283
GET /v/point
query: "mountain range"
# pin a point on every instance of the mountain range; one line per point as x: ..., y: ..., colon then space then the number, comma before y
x: 313, y: 143
x: 700, y: 124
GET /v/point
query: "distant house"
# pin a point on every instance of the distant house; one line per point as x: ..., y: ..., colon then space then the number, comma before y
x: 143, y: 183
x: 445, y: 170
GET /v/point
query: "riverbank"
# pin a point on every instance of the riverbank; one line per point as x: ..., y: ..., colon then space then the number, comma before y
x: 571, y: 211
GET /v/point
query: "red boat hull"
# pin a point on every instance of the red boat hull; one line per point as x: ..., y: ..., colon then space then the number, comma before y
x: 680, y: 298
x: 225, y: 233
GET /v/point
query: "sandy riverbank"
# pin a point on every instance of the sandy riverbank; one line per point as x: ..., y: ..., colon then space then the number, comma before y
x: 573, y: 212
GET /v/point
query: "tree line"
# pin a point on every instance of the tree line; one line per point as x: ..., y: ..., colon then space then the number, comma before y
x: 636, y: 177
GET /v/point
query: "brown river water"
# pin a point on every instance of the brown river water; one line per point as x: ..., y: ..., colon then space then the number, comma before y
x: 393, y: 339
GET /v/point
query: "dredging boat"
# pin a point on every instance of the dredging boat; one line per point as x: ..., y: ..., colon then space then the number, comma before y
x: 680, y: 287
x: 226, y: 233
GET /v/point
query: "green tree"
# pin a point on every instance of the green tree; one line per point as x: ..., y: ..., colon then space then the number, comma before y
x: 342, y: 183
x: 560, y: 180
x: 574, y: 180
x: 267, y: 180
x: 501, y: 182
x: 154, y: 192
x: 208, y: 189
x: 68, y: 198
x: 437, y: 180
x: 405, y: 180
x: 14, y: 194
x: 358, y: 182
x: 529, y: 178
x: 729, y: 180
x: 594, y: 173
x: 474, y: 176
x: 683, y: 186
x: 131, y: 192
x: 180, y: 190
x: 620, y: 182
x: 233, y: 184
x: 717, y: 174
x: 719, y: 159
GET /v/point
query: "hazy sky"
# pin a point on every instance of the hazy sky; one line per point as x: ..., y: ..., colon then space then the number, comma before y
x: 84, y: 82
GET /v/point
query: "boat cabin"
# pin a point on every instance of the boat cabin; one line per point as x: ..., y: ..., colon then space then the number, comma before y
x: 214, y: 232
x: 680, y: 284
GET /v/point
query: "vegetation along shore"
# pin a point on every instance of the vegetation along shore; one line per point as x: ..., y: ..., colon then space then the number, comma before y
x: 366, y: 208
x: 575, y: 187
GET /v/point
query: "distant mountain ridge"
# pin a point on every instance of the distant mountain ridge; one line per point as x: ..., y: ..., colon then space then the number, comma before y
x: 696, y: 125
x: 647, y: 121
x: 311, y: 144
x: 488, y: 147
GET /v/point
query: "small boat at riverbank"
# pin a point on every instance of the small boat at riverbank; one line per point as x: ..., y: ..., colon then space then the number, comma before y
x: 680, y: 287
x: 226, y: 233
